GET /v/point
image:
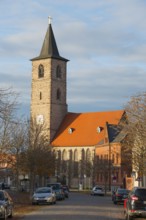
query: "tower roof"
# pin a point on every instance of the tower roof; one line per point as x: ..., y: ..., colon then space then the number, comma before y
x: 49, y: 48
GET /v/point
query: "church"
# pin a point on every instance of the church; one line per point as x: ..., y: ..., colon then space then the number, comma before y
x: 87, y: 145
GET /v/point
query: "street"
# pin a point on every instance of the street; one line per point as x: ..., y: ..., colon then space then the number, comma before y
x: 79, y: 206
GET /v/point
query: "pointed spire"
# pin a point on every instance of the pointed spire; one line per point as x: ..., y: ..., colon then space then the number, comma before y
x: 49, y: 48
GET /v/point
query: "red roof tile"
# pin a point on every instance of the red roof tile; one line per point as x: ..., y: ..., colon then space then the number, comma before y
x: 84, y: 128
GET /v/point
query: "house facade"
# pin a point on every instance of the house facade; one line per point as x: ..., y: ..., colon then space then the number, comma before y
x: 79, y: 140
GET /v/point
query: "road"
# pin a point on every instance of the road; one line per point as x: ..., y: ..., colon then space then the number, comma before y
x: 79, y: 206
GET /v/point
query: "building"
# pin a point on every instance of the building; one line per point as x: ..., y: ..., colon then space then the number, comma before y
x: 76, y: 138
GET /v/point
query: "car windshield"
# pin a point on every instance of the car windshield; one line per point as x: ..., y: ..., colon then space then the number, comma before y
x: 55, y: 186
x: 123, y: 191
x: 43, y: 190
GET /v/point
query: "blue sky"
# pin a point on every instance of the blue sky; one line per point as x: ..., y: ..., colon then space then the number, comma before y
x: 104, y: 40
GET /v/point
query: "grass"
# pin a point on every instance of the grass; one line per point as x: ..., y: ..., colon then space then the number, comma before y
x: 22, y: 204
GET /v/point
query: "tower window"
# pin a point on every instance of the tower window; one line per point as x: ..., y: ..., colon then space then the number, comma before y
x: 40, y: 95
x: 58, y: 95
x: 58, y: 72
x: 41, y: 71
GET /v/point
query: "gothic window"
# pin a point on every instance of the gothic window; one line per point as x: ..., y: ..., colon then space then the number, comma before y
x: 58, y: 72
x: 70, y: 155
x: 64, y: 155
x: 88, y: 155
x: 41, y: 71
x: 58, y: 95
x: 83, y: 154
x: 76, y: 155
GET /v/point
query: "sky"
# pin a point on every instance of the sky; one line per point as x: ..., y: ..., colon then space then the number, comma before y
x: 104, y: 41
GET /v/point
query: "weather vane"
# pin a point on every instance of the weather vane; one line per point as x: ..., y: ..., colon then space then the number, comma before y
x: 50, y: 19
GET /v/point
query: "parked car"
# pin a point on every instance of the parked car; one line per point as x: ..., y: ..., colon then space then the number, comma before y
x: 66, y: 191
x: 135, y: 204
x: 57, y: 187
x: 97, y: 190
x: 44, y: 195
x: 6, y: 205
x: 120, y: 195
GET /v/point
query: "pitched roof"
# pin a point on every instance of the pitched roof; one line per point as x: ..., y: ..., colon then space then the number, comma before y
x: 49, y: 47
x: 80, y: 129
x: 113, y: 131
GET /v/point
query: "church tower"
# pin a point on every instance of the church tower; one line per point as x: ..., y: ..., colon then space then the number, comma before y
x: 48, y: 91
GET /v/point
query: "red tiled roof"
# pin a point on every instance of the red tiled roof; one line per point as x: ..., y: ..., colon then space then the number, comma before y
x: 84, y: 128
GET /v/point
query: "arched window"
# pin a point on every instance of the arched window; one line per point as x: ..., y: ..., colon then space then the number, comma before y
x: 76, y: 155
x: 70, y: 155
x: 64, y: 155
x: 83, y: 154
x: 58, y: 72
x: 41, y: 71
x: 88, y: 155
x: 58, y: 95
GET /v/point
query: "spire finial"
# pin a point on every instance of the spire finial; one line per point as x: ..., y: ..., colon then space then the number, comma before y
x: 50, y: 19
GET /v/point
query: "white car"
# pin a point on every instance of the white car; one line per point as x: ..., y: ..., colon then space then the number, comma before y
x: 44, y: 195
x: 97, y: 190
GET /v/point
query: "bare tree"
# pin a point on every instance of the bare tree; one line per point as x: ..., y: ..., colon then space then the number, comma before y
x: 17, y: 149
x: 39, y: 158
x: 8, y: 105
x: 135, y: 130
x: 11, y: 132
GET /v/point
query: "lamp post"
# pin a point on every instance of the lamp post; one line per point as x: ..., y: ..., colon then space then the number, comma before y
x: 109, y: 166
x: 85, y: 181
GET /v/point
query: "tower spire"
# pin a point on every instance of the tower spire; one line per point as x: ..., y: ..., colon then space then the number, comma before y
x: 49, y: 47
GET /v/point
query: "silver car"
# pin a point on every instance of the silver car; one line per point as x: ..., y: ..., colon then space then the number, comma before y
x: 97, y: 190
x: 44, y: 195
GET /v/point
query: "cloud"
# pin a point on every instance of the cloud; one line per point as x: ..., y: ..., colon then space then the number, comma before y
x: 104, y: 41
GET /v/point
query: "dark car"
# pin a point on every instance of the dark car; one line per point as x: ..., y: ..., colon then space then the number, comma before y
x: 6, y: 205
x: 66, y: 191
x: 57, y: 187
x: 135, y: 204
x: 120, y: 195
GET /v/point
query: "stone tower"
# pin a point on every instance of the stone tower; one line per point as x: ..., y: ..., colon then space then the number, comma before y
x: 48, y: 91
